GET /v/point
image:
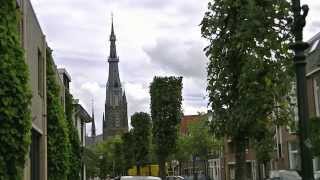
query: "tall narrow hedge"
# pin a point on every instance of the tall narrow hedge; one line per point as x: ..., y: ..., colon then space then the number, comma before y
x: 76, y: 152
x: 58, y: 138
x: 15, y: 96
x: 166, y: 112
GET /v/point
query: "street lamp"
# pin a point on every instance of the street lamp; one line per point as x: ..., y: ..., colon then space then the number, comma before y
x: 300, y: 63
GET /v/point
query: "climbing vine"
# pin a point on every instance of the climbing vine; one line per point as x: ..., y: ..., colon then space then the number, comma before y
x: 15, y: 96
x: 58, y: 138
x: 75, y: 158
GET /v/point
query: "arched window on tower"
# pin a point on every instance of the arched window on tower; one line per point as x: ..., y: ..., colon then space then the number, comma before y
x: 116, y: 84
x: 115, y: 100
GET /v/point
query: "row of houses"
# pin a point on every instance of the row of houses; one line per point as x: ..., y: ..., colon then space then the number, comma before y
x: 35, y: 45
x: 286, y: 148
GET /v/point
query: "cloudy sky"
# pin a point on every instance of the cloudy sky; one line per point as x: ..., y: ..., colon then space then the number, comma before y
x: 154, y: 37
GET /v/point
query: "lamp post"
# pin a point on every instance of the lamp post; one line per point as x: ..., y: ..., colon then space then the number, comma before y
x: 300, y: 63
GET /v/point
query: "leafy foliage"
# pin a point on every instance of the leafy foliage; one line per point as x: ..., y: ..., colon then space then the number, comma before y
x: 90, y: 158
x: 58, y: 138
x: 128, y: 154
x: 106, y: 158
x: 166, y: 114
x: 201, y: 142
x: 15, y: 96
x: 75, y: 156
x: 249, y: 70
x: 183, y: 152
x: 141, y: 123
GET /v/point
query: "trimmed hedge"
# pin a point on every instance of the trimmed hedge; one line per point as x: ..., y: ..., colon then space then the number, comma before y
x: 15, y: 96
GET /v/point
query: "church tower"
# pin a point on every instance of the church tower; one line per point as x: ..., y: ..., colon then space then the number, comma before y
x: 116, y: 119
x: 93, y: 127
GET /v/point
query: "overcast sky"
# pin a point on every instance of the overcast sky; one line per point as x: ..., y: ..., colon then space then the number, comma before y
x: 154, y: 37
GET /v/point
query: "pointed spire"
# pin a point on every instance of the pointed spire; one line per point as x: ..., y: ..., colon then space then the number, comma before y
x: 113, y: 50
x: 93, y: 127
x: 112, y: 29
x: 124, y: 97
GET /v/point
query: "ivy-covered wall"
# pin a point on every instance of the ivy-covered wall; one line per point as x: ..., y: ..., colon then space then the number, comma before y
x: 59, y: 149
x: 15, y: 96
x: 76, y: 154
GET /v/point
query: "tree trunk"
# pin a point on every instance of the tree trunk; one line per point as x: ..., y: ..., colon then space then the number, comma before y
x: 266, y: 168
x: 180, y: 164
x: 206, y: 166
x: 260, y: 174
x: 138, y: 170
x: 195, y: 177
x: 162, y: 169
x: 149, y: 166
x: 240, y: 153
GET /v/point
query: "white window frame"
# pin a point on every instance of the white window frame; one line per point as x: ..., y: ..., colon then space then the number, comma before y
x: 292, y: 164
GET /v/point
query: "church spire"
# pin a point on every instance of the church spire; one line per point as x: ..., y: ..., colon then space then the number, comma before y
x: 93, y: 127
x: 113, y: 49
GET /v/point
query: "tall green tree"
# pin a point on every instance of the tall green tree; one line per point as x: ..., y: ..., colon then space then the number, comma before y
x: 166, y: 115
x: 58, y: 138
x: 141, y: 123
x: 111, y: 158
x: 90, y: 158
x: 183, y: 151
x: 249, y: 70
x: 15, y: 95
x: 128, y: 154
x: 201, y: 142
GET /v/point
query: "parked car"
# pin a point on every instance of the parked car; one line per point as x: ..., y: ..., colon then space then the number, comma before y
x: 139, y: 178
x: 284, y: 175
x: 174, y: 178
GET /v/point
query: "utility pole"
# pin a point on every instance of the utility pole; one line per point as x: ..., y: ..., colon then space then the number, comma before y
x: 299, y: 59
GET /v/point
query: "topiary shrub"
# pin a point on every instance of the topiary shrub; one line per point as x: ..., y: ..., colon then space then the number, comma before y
x: 15, y: 96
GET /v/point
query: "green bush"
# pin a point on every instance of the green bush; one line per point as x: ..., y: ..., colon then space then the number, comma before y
x: 58, y: 138
x: 15, y: 96
x: 75, y: 158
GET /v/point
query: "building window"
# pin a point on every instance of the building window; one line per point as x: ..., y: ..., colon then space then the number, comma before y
x: 294, y: 156
x: 40, y: 74
x: 294, y: 107
x: 232, y: 172
x: 316, y: 164
x: 35, y: 156
x: 316, y: 82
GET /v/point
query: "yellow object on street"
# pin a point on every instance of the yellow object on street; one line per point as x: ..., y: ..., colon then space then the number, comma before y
x: 147, y: 170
